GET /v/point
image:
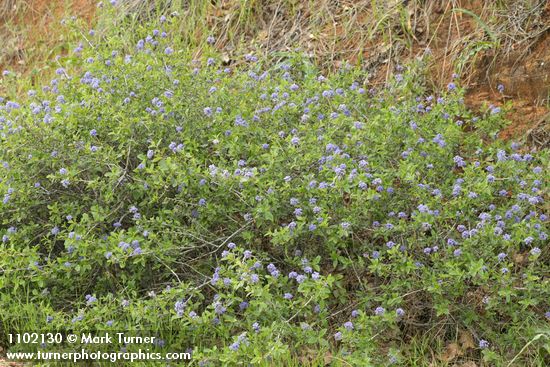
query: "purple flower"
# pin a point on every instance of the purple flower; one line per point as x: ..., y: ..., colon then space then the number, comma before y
x: 77, y: 318
x: 288, y: 296
x: 483, y: 344
x: 123, y: 245
x: 215, y: 278
x: 535, y: 251
x: 179, y: 307
x: 90, y: 299
x: 338, y: 336
x: 379, y: 311
x: 348, y: 325
x: 226, y: 281
x: 459, y: 161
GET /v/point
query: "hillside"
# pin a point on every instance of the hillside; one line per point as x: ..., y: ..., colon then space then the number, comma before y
x: 275, y: 184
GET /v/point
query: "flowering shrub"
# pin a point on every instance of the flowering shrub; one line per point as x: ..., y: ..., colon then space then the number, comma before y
x: 260, y: 211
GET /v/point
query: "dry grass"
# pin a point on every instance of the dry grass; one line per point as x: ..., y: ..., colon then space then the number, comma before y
x: 375, y: 32
x: 31, y: 34
x: 485, y: 41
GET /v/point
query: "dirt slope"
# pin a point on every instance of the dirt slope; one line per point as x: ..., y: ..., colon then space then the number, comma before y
x: 488, y: 45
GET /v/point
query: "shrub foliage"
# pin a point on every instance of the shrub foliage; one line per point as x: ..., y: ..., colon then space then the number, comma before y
x: 260, y: 211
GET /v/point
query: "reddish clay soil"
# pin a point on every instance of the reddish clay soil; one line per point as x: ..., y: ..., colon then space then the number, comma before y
x: 523, y: 68
x: 39, y: 20
x: 526, y: 81
x: 524, y: 71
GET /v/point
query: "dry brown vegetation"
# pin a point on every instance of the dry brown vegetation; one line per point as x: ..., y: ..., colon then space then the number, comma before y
x: 486, y: 42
